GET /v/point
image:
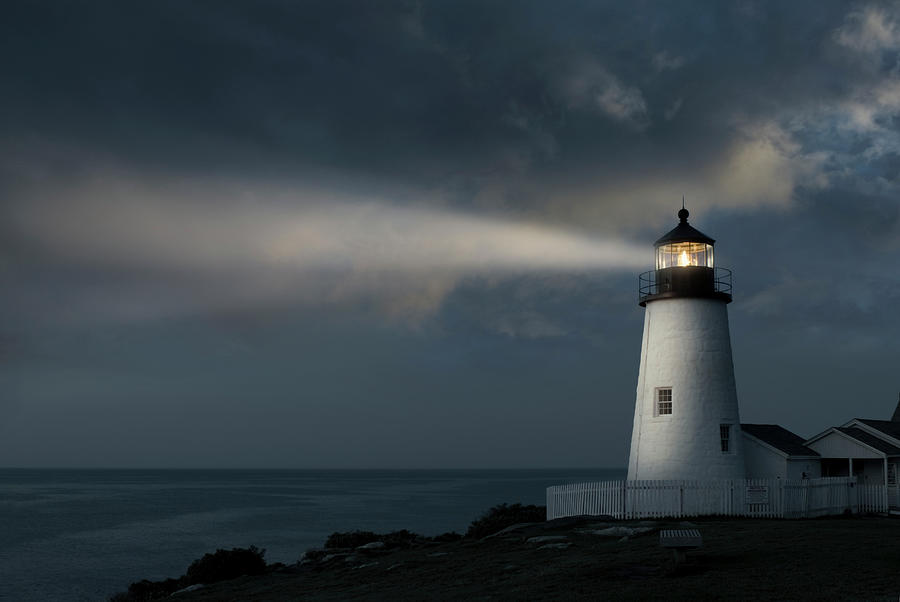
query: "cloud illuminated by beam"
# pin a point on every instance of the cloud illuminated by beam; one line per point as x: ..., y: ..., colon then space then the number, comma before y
x: 341, y: 236
x: 183, y: 252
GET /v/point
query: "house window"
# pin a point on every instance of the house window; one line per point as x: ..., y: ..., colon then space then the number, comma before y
x: 725, y: 436
x: 664, y: 401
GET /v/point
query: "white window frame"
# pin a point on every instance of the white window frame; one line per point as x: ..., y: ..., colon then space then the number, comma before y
x: 726, y: 442
x: 657, y: 402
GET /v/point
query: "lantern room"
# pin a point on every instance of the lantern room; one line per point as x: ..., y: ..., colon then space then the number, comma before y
x: 685, y: 266
x: 684, y: 246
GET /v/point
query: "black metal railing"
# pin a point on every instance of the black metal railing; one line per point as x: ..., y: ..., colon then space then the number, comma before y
x: 697, y: 281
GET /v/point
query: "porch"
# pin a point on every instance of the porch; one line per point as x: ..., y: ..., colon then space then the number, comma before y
x: 850, y: 452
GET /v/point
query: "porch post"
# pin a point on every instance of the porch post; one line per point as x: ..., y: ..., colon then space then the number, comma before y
x: 885, y: 496
x: 850, y: 473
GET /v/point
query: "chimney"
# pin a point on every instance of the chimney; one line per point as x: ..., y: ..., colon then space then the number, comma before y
x: 896, y: 416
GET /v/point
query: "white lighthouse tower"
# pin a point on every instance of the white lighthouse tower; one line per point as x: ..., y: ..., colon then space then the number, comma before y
x: 686, y: 422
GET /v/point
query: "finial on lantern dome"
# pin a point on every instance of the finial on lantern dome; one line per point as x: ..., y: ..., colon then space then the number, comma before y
x: 683, y: 213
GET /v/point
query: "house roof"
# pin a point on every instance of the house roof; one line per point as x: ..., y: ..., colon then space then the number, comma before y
x: 870, y: 440
x: 888, y: 427
x: 780, y: 438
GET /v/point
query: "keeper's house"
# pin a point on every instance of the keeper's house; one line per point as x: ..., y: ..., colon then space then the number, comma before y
x: 863, y: 448
x: 773, y: 451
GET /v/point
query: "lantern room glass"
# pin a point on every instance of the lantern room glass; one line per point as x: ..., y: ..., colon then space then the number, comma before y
x: 683, y: 254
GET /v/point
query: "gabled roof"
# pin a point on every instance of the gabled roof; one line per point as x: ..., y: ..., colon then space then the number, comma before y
x: 870, y: 440
x: 888, y: 427
x: 780, y: 438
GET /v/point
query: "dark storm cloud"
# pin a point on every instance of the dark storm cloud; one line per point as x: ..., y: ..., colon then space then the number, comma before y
x: 391, y: 210
x: 477, y: 100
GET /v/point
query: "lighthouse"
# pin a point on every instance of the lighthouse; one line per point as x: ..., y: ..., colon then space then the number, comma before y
x: 686, y: 421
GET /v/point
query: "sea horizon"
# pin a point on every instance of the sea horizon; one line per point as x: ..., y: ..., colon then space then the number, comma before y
x: 84, y: 534
x: 349, y: 469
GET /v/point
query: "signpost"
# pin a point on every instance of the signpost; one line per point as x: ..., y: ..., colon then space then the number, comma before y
x: 757, y: 494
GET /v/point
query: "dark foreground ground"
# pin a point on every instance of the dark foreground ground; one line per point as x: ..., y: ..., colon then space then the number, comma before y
x: 855, y: 558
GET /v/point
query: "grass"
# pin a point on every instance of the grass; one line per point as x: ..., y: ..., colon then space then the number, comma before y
x: 848, y: 558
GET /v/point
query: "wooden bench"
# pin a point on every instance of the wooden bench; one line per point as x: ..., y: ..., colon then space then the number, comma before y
x: 680, y: 541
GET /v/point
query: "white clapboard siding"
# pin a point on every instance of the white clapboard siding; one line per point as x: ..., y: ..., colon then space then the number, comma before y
x: 763, y: 498
x: 893, y: 495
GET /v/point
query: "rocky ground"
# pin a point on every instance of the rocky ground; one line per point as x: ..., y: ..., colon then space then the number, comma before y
x: 852, y: 558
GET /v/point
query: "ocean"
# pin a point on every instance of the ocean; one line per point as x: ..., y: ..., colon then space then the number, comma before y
x: 86, y: 534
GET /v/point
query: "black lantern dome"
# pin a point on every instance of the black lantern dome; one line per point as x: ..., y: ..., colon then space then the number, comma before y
x: 685, y: 266
x: 684, y: 245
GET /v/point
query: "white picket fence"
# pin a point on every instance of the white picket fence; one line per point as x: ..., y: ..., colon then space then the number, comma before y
x: 765, y: 498
x: 873, y: 498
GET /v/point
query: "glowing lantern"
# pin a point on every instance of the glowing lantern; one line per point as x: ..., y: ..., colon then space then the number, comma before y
x: 685, y: 246
x: 684, y: 267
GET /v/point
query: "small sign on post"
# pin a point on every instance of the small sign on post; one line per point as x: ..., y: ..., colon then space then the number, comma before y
x: 757, y: 494
x: 680, y: 541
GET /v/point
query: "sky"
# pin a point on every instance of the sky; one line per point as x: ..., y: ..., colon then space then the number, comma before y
x: 353, y: 234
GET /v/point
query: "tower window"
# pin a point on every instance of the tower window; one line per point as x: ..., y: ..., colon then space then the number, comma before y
x: 664, y: 401
x: 725, y: 435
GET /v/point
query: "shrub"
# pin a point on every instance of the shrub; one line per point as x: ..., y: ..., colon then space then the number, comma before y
x: 313, y: 554
x: 223, y: 565
x: 350, y: 539
x: 502, y: 516
x: 399, y: 539
x: 144, y: 590
x: 226, y: 564
x: 354, y: 539
x: 445, y: 537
